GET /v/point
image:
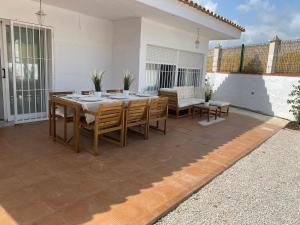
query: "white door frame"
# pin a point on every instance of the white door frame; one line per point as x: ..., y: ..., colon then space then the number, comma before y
x: 5, y: 82
x: 22, y: 117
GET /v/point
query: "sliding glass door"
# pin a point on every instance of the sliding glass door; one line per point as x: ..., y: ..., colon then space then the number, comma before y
x: 29, y: 69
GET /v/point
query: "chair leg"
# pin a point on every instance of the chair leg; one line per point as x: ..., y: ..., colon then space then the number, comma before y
x: 65, y: 125
x: 125, y: 136
x: 165, y: 127
x: 122, y: 137
x: 146, y: 131
x: 50, y: 120
x: 96, y: 140
x: 157, y: 124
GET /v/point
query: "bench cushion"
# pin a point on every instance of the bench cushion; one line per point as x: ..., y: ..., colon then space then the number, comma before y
x: 219, y: 103
x: 185, y: 102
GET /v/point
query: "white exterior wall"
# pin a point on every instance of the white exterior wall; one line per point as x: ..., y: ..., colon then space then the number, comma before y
x: 81, y: 43
x: 158, y: 34
x: 266, y: 94
x: 126, y: 50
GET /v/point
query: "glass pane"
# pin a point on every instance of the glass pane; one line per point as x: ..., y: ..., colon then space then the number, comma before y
x: 36, y: 47
x: 32, y: 102
x: 26, y: 97
x: 18, y: 73
x: 38, y: 101
x: 23, y: 48
x: 20, y: 102
x: 30, y: 42
x: 26, y: 74
x: 49, y: 44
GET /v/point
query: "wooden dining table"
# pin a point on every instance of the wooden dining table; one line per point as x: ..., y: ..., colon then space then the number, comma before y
x: 78, y: 107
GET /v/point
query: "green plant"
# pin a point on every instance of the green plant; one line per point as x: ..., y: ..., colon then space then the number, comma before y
x: 97, y: 78
x: 128, y: 80
x: 295, y: 102
x: 207, y: 90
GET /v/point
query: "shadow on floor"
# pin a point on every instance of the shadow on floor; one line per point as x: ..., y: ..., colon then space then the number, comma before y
x: 42, y: 182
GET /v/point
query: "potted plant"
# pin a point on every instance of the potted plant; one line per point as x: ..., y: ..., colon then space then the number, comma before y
x: 128, y: 80
x: 97, y: 77
x: 207, y: 92
x: 294, y: 101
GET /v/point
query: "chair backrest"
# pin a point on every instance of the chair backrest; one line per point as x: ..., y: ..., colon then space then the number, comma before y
x: 110, y: 115
x: 137, y: 110
x: 114, y: 91
x: 56, y: 93
x: 172, y: 98
x: 158, y: 108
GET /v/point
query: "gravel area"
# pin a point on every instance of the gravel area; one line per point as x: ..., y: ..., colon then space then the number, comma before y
x: 262, y: 188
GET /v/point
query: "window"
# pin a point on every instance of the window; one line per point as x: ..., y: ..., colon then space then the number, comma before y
x: 166, y: 68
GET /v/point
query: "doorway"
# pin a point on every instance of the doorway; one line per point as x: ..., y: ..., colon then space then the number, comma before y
x: 27, y: 64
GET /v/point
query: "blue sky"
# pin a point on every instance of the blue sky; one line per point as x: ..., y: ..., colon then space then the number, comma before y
x: 263, y: 19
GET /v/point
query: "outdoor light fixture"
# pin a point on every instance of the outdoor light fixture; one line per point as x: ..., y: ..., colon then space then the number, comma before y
x: 197, y: 42
x: 41, y: 15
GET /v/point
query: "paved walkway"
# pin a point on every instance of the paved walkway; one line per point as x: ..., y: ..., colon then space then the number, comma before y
x: 262, y: 188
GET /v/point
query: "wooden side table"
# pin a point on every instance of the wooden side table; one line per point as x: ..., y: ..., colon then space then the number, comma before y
x: 209, y: 110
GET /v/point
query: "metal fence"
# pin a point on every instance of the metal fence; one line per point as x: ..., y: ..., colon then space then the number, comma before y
x: 288, y: 57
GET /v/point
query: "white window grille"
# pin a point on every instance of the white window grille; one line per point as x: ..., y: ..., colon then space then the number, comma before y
x: 166, y: 68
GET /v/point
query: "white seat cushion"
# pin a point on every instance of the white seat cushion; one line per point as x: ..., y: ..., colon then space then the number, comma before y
x: 185, y: 102
x: 219, y: 103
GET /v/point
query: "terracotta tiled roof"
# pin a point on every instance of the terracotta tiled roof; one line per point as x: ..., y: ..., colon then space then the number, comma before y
x: 211, y: 13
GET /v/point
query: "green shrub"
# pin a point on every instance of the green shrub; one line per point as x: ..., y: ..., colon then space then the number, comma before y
x: 295, y: 102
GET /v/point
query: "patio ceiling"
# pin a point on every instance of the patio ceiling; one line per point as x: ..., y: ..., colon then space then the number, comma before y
x: 122, y: 9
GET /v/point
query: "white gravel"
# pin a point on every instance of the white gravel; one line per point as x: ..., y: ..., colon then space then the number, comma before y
x: 262, y: 188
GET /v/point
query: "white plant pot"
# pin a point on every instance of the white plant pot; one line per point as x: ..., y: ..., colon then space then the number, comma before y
x: 98, y: 94
x: 126, y: 92
x: 206, y: 103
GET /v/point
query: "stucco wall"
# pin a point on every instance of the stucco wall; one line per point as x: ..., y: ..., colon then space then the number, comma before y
x: 266, y: 94
x: 153, y: 33
x: 81, y: 43
x: 126, y: 50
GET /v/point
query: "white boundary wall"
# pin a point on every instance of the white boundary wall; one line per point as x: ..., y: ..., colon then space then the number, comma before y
x: 267, y: 94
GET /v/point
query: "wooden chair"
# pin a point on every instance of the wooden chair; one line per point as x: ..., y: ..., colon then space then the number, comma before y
x: 137, y: 114
x: 158, y: 111
x: 86, y: 92
x: 109, y: 118
x: 67, y: 118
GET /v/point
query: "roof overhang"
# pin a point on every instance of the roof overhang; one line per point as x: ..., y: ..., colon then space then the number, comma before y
x: 168, y: 12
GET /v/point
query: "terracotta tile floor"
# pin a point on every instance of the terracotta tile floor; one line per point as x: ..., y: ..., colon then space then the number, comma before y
x: 42, y: 182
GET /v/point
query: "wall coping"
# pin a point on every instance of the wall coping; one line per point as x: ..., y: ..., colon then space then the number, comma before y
x: 264, y: 74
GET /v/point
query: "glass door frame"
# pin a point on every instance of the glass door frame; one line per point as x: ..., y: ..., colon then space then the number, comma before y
x: 5, y: 82
x: 23, y: 118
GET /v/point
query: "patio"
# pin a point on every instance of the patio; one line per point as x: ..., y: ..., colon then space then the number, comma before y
x: 43, y: 182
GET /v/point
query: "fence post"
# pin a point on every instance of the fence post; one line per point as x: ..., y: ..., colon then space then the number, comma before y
x: 272, y: 56
x: 216, y: 58
x: 242, y: 58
